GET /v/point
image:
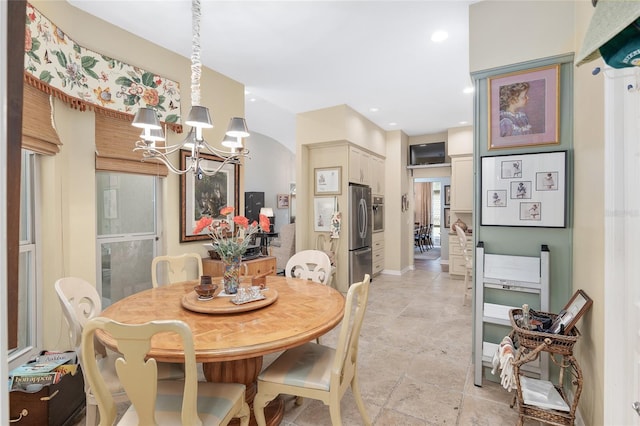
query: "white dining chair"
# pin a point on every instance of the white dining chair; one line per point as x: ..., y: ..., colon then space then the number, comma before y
x: 311, y: 265
x: 183, y: 267
x: 330, y: 247
x: 153, y: 401
x: 320, y: 372
x: 80, y: 303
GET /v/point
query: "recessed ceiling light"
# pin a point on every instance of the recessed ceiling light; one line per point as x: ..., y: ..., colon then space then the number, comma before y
x: 463, y: 122
x: 393, y: 123
x: 374, y: 109
x: 469, y: 89
x: 252, y: 100
x: 246, y: 92
x: 439, y: 36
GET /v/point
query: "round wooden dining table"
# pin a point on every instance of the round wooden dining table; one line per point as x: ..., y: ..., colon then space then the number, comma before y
x: 231, y: 346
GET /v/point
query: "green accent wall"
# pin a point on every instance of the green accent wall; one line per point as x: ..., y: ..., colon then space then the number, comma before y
x: 526, y: 241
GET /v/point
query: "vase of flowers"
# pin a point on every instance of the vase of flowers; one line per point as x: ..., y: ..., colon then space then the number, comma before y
x: 231, y: 244
x: 231, y: 277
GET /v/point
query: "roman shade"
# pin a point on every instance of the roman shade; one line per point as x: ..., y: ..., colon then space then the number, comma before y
x: 115, y: 139
x: 38, y: 124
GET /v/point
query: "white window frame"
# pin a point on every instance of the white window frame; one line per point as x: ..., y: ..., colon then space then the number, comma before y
x: 32, y: 245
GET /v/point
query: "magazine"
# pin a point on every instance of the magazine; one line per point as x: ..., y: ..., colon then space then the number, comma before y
x: 69, y: 357
x: 36, y: 367
x: 67, y: 369
x: 33, y: 383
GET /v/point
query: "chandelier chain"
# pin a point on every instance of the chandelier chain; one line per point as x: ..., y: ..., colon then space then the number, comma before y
x: 196, y: 64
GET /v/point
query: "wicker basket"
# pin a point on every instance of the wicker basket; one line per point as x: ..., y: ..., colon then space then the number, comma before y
x: 559, y: 343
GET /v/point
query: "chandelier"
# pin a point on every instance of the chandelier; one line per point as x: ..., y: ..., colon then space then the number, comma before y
x: 147, y: 119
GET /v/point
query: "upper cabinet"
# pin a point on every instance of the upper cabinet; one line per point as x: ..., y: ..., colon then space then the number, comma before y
x: 359, y: 167
x: 366, y: 169
x: 377, y: 175
x: 462, y: 184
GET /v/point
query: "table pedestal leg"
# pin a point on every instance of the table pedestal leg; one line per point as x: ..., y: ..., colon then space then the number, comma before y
x: 244, y: 371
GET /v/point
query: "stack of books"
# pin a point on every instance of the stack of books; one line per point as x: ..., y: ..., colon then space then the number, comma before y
x: 47, y: 369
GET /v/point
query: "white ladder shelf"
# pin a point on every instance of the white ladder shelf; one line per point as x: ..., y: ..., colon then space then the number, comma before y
x: 512, y: 274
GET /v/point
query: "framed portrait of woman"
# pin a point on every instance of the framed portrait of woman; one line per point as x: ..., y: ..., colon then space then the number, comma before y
x: 524, y: 108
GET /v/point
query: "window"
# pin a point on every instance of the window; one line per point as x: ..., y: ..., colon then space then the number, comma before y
x: 127, y: 233
x: 29, y: 292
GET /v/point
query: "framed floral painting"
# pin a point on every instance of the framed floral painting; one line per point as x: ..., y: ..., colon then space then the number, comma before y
x: 205, y: 196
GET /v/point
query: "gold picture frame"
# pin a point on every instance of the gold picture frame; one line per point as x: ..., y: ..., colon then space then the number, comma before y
x: 206, y: 196
x: 524, y: 108
x: 327, y: 181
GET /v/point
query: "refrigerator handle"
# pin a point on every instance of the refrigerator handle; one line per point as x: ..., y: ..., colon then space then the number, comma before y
x: 362, y: 213
x: 362, y: 251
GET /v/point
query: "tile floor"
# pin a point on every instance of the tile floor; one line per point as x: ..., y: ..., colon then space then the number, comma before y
x: 415, y: 361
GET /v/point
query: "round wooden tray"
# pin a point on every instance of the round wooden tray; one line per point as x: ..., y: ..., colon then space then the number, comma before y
x: 224, y: 305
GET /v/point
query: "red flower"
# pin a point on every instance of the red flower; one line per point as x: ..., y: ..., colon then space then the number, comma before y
x: 265, y: 223
x: 201, y: 224
x: 241, y: 221
x: 226, y: 210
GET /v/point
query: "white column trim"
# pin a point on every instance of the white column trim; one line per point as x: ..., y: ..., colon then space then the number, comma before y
x: 622, y: 232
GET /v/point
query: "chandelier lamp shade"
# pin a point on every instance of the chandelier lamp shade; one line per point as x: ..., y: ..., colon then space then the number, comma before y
x: 198, y: 119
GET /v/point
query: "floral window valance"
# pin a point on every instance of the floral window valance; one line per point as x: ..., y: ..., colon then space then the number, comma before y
x: 58, y: 65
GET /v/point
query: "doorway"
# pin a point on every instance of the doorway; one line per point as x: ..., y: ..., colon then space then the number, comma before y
x: 430, y: 210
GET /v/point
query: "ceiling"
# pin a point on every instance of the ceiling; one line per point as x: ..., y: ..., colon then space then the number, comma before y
x: 298, y: 56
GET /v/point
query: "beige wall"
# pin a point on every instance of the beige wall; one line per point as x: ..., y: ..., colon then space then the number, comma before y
x: 398, y: 225
x: 460, y: 141
x: 339, y: 123
x: 539, y: 30
x: 68, y: 224
x: 588, y: 235
x: 508, y: 32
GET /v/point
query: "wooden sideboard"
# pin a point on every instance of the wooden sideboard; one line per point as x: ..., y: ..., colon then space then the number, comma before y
x: 260, y: 265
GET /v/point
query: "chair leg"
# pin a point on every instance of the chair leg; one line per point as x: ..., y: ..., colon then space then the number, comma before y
x: 245, y: 414
x: 464, y: 289
x: 91, y: 415
x: 355, y: 388
x: 334, y: 411
x: 259, y: 402
x: 468, y: 280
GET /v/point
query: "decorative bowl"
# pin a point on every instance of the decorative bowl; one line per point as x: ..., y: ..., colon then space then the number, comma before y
x: 205, y: 291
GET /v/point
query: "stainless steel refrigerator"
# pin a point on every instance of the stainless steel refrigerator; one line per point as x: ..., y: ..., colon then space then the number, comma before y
x: 360, y: 228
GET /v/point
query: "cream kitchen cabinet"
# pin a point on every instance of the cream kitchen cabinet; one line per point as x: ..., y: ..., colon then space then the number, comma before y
x: 462, y: 184
x: 359, y: 166
x: 456, y: 257
x: 377, y: 242
x: 377, y: 175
